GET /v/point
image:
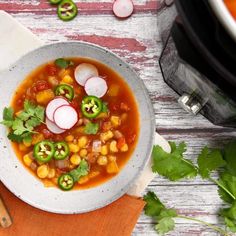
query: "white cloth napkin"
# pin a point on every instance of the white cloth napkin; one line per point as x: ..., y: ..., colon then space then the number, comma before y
x: 15, y: 41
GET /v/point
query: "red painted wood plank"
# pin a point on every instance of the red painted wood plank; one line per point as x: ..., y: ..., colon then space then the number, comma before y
x: 84, y: 7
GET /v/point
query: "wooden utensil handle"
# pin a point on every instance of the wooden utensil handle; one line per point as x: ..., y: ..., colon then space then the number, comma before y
x: 5, y: 219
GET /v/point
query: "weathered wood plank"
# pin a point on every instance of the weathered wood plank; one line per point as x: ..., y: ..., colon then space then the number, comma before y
x: 85, y: 7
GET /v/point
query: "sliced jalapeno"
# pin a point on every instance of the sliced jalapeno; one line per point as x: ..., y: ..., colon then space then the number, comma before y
x: 44, y: 151
x: 65, y: 90
x: 67, y: 10
x: 55, y: 1
x: 65, y: 182
x: 61, y: 150
x: 91, y: 106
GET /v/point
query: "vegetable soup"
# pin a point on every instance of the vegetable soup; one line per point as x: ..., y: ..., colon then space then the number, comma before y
x: 73, y: 123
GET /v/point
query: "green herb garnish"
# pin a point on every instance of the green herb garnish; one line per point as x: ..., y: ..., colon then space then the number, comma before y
x: 172, y: 165
x: 91, y: 128
x: 23, y: 124
x: 82, y: 170
x: 165, y: 216
x: 175, y: 167
x: 63, y: 63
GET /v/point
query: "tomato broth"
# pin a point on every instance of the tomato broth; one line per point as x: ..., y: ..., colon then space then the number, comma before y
x: 117, y: 126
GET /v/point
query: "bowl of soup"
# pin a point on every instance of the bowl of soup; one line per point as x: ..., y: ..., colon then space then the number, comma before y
x: 77, y: 127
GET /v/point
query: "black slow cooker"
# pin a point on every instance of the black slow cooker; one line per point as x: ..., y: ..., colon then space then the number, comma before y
x: 199, y: 62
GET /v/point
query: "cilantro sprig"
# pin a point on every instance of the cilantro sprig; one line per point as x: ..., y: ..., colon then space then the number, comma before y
x: 23, y: 123
x: 174, y: 166
x: 82, y: 170
x: 165, y: 216
x: 91, y: 128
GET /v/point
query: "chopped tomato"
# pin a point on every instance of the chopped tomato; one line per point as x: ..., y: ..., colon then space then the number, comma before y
x: 131, y: 137
x: 41, y: 85
x: 114, y: 107
x: 51, y: 70
x: 74, y: 104
x: 121, y: 142
x: 124, y: 107
x: 47, y: 134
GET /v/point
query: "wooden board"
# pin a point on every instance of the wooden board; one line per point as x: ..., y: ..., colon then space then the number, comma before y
x: 137, y: 40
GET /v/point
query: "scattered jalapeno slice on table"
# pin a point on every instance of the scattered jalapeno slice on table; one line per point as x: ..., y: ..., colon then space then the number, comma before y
x: 61, y: 150
x: 91, y: 106
x: 65, y: 90
x: 67, y: 10
x: 65, y: 182
x: 44, y: 151
x: 55, y: 1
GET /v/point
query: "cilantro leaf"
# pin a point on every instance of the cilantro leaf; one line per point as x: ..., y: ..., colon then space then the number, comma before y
x: 82, y: 170
x: 228, y: 181
x: 165, y: 225
x: 24, y: 116
x: 91, y: 128
x: 8, y: 114
x: 172, y: 165
x: 18, y: 127
x: 7, y: 123
x: 29, y: 107
x: 153, y: 205
x: 62, y: 63
x: 209, y: 161
x: 229, y: 215
x: 40, y: 113
x: 230, y: 157
x: 32, y: 122
x: 15, y: 138
x: 155, y: 208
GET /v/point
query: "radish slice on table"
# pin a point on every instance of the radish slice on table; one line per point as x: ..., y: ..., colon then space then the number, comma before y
x: 83, y: 72
x: 65, y: 117
x: 123, y: 8
x: 53, y: 127
x: 53, y: 105
x: 96, y: 86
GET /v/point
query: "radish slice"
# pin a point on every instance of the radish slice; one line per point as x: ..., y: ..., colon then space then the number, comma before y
x: 123, y: 8
x: 53, y: 105
x: 83, y: 72
x: 53, y: 127
x: 96, y: 86
x: 65, y: 117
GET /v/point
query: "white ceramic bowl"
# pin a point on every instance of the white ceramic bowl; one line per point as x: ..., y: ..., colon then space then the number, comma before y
x: 224, y: 16
x: 27, y: 187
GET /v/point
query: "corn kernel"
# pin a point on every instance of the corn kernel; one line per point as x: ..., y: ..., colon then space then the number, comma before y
x: 63, y: 72
x: 69, y: 138
x: 104, y: 150
x: 27, y: 143
x: 83, y: 179
x: 102, y: 115
x: 37, y: 138
x: 75, y: 159
x: 27, y: 160
x: 115, y: 120
x: 111, y: 158
x: 82, y: 141
x: 102, y: 161
x: 113, y: 146
x: 51, y: 173
x: 124, y: 148
x: 22, y: 147
x: 106, y: 136
x: 112, y: 168
x: 42, y: 171
x: 80, y: 130
x: 43, y: 97
x: 73, y: 147
x: 83, y: 152
x: 93, y: 174
x: 67, y: 79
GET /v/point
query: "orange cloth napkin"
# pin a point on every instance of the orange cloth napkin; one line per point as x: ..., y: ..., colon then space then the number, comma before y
x: 117, y: 219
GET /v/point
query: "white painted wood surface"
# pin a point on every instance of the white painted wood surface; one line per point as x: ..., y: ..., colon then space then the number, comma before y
x: 137, y: 40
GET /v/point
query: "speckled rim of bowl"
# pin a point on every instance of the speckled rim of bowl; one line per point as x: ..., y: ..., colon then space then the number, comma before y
x: 24, y: 185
